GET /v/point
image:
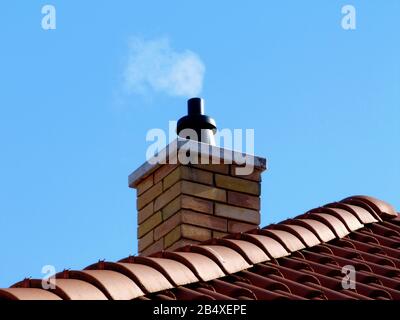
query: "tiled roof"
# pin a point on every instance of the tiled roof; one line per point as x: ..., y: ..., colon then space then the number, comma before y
x: 300, y: 258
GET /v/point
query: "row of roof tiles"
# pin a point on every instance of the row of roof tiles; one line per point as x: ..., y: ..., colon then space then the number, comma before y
x: 295, y: 259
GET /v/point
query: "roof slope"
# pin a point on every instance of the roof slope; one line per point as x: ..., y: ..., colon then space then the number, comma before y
x: 300, y: 258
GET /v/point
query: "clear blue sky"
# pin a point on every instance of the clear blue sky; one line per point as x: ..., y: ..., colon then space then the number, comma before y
x: 324, y: 103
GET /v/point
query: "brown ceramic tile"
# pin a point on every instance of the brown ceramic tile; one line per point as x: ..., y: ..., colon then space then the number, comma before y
x: 176, y: 272
x: 204, y: 268
x: 27, y: 294
x: 300, y: 258
x: 114, y: 285
x: 229, y: 260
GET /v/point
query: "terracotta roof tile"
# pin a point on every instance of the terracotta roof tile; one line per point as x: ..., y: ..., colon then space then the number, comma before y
x: 270, y: 246
x: 349, y: 220
x: 251, y: 252
x: 67, y: 289
x: 360, y: 213
x: 27, y: 294
x: 147, y: 278
x: 183, y: 293
x: 232, y: 290
x: 79, y: 290
x: 295, y: 287
x: 308, y: 238
x: 203, y: 267
x: 114, y: 285
x: 229, y: 260
x: 383, y: 209
x: 289, y: 241
x: 300, y: 258
x: 322, y: 231
x: 333, y: 223
x: 176, y: 272
x: 363, y: 204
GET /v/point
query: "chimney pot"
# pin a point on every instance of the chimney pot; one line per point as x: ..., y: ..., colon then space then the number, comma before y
x: 204, y: 126
x: 195, y: 106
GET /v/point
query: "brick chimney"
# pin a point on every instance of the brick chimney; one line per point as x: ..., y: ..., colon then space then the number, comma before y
x: 186, y: 202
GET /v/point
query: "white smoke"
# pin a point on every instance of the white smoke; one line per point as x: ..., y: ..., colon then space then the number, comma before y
x: 154, y: 65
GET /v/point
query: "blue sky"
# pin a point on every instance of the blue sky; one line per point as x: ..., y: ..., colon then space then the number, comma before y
x: 324, y: 103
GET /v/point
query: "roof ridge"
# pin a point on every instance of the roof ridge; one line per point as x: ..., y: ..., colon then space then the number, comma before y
x: 215, y: 258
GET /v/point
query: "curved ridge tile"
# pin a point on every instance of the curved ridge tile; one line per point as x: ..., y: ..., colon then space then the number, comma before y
x: 79, y: 290
x: 27, y: 294
x: 382, y: 208
x: 348, y: 219
x: 304, y: 234
x: 272, y: 247
x: 119, y: 286
x: 362, y: 204
x: 373, y: 250
x: 176, y: 272
x: 67, y: 289
x: 320, y: 230
x: 229, y: 260
x: 114, y: 285
x: 290, y: 241
x: 332, y: 222
x: 151, y: 279
x: 205, y: 268
x: 363, y: 215
x: 250, y: 251
x: 147, y: 278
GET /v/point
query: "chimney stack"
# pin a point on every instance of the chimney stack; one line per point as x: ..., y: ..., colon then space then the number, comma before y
x: 186, y: 203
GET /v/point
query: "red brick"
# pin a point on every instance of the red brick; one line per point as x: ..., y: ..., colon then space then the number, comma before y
x: 219, y: 168
x: 237, y: 184
x: 172, y: 178
x: 171, y: 208
x: 163, y: 171
x: 204, y: 220
x: 149, y: 224
x: 181, y: 243
x: 195, y: 233
x: 167, y: 196
x: 173, y: 236
x: 187, y: 173
x: 145, y: 185
x: 218, y: 234
x: 155, y: 247
x: 196, y: 175
x: 197, y: 204
x: 146, y: 212
x: 236, y: 213
x: 236, y: 226
x: 149, y: 195
x: 146, y: 241
x: 167, y: 226
x: 202, y: 191
x: 255, y: 176
x: 243, y: 200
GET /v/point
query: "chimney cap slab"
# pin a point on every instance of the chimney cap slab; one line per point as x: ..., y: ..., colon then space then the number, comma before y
x: 198, y: 150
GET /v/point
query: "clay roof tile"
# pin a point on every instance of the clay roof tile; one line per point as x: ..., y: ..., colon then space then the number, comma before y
x: 299, y: 258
